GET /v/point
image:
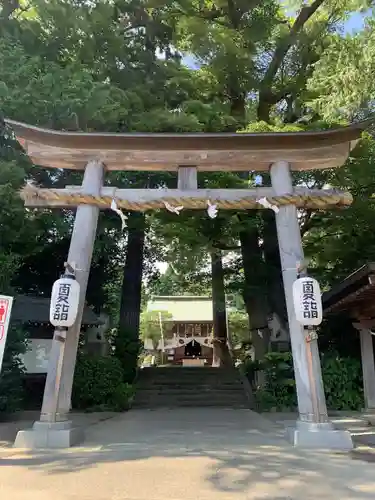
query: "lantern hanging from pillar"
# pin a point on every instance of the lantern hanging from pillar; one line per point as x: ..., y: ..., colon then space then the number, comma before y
x: 307, y: 300
x: 64, y: 302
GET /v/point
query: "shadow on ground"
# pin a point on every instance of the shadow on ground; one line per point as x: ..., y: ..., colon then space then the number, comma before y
x: 235, y: 453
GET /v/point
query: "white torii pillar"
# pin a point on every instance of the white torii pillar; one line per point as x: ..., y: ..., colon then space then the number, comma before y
x: 368, y: 368
x: 313, y: 428
x: 54, y: 429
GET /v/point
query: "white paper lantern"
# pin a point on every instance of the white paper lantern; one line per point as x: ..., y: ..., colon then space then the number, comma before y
x: 307, y: 299
x: 64, y: 302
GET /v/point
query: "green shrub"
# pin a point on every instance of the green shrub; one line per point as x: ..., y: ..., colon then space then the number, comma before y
x: 342, y: 378
x: 279, y: 391
x: 98, y: 384
x: 12, y: 373
x: 122, y: 397
x: 249, y: 368
x: 127, y: 351
x: 343, y: 384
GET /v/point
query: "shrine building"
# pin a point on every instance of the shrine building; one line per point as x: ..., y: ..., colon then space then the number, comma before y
x: 32, y: 315
x: 186, y: 334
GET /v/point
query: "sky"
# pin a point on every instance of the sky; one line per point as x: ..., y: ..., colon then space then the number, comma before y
x: 355, y: 23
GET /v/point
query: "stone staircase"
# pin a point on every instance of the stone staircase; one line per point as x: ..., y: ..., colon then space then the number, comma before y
x: 173, y: 387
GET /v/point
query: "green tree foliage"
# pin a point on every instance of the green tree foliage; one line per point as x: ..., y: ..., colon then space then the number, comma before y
x: 342, y: 84
x: 11, y: 388
x: 13, y: 221
x: 338, y: 242
x: 16, y: 229
x: 118, y: 67
x: 239, y: 330
x: 173, y: 282
x: 154, y: 325
x: 12, y: 372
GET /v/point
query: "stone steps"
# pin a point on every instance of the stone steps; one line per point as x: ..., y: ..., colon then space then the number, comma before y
x: 189, y: 387
x: 188, y: 404
x: 191, y: 390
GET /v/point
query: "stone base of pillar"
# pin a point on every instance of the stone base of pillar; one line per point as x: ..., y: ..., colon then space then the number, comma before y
x: 368, y: 414
x: 320, y: 436
x: 44, y: 435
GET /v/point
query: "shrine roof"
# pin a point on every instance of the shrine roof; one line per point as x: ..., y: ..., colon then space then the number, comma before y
x: 36, y: 310
x: 183, y: 298
x: 207, y: 151
x: 186, y: 309
x: 354, y: 295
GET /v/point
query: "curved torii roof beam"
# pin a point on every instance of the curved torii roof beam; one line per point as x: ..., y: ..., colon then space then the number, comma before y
x: 206, y: 151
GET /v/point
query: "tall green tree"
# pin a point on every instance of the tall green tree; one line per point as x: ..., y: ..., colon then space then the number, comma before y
x: 341, y: 85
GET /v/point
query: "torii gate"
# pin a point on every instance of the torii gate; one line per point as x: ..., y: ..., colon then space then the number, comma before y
x: 277, y: 153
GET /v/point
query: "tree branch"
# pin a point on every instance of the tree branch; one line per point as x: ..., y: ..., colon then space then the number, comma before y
x: 308, y: 222
x: 285, y: 43
x: 8, y: 9
x: 226, y: 247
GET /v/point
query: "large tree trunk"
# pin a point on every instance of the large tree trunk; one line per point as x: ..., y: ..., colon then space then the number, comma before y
x: 255, y: 293
x: 264, y: 109
x: 221, y: 356
x: 237, y: 105
x: 275, y: 288
x: 127, y: 341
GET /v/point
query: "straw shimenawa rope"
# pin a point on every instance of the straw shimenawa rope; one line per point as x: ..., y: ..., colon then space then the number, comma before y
x: 34, y: 194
